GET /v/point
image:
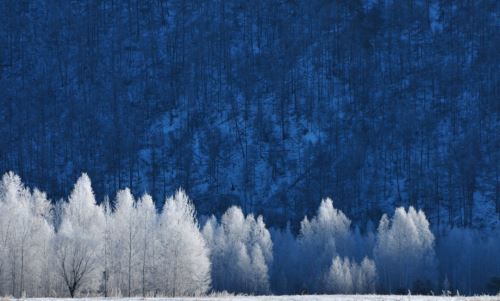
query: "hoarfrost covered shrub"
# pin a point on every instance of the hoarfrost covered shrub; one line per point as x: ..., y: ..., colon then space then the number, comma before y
x: 404, y: 252
x: 241, y: 252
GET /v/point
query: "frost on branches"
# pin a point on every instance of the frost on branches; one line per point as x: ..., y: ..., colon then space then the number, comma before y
x: 124, y: 246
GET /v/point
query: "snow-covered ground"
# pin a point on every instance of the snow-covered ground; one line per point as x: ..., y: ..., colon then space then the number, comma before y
x: 292, y: 298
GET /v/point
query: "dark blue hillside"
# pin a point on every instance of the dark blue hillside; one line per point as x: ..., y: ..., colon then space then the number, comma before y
x: 270, y: 105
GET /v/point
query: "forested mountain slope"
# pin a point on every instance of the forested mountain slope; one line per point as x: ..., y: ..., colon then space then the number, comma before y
x: 270, y: 105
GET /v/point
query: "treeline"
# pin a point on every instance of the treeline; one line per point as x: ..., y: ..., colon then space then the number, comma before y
x: 125, y: 247
x: 266, y: 105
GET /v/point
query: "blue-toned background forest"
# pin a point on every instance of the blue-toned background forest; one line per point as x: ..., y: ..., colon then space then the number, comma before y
x: 269, y: 105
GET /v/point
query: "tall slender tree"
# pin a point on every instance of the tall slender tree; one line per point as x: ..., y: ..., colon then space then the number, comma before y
x: 184, y: 256
x: 79, y: 239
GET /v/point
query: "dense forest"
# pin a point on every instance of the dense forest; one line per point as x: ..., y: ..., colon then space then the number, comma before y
x: 267, y: 105
x: 125, y: 247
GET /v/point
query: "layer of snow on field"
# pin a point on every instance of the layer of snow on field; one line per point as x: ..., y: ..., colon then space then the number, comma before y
x: 294, y: 298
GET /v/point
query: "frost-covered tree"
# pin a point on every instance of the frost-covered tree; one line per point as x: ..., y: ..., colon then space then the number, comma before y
x: 241, y: 252
x: 125, y: 244
x: 347, y: 276
x: 42, y: 236
x: 340, y: 276
x: 404, y: 251
x: 184, y: 265
x: 25, y: 236
x: 79, y: 239
x: 15, y: 219
x: 106, y: 246
x: 322, y: 238
x: 146, y: 218
x: 3, y: 248
x: 313, y: 262
x: 366, y: 277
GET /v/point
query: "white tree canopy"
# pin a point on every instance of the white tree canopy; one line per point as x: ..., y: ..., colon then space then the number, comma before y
x: 241, y: 252
x: 404, y: 251
x: 79, y: 239
x: 322, y: 238
x: 184, y: 257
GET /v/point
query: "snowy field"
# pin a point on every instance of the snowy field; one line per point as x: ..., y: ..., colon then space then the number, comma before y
x: 291, y: 298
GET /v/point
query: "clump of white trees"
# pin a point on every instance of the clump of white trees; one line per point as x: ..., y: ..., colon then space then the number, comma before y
x: 318, y: 261
x: 25, y: 239
x: 145, y: 253
x: 241, y: 252
x: 125, y: 247
x: 347, y: 277
x: 404, y: 251
x: 321, y: 239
